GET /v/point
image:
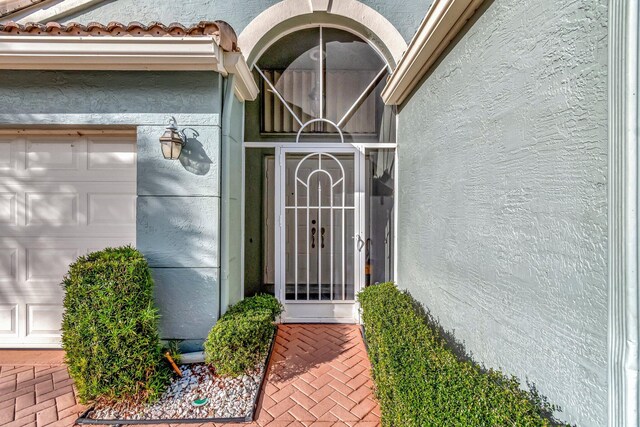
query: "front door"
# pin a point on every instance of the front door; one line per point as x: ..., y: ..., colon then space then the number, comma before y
x: 318, y: 246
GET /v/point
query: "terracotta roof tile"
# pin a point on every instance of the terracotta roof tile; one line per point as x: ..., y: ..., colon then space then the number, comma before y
x: 224, y: 35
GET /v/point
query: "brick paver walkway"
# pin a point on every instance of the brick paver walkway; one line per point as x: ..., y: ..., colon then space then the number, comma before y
x: 319, y: 376
x: 37, y: 395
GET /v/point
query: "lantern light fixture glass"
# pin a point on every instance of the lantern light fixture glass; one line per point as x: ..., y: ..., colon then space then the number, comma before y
x: 172, y: 141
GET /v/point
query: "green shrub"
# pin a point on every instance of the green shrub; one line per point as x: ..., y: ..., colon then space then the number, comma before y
x: 257, y: 302
x: 109, y: 327
x: 420, y: 382
x: 241, y: 338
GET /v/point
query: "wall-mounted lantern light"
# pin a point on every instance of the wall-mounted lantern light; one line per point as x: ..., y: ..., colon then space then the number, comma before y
x: 172, y: 141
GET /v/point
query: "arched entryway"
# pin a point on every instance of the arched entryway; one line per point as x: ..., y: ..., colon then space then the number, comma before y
x: 319, y: 173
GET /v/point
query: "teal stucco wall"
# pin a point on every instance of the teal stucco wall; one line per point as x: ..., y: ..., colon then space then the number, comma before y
x: 502, y: 216
x: 231, y: 203
x: 178, y: 201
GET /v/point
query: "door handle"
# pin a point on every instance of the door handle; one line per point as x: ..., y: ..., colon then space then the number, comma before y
x: 322, y: 237
x: 313, y: 237
x: 359, y: 242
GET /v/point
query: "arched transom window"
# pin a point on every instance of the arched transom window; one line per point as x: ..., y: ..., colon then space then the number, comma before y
x: 323, y: 81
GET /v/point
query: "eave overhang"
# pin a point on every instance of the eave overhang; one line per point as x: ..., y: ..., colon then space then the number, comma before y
x: 110, y: 53
x: 126, y: 53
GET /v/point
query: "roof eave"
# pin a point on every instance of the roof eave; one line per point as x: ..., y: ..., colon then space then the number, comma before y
x: 199, y: 53
x: 443, y: 22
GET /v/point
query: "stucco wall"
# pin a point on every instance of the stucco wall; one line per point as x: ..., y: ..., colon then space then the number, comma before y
x: 406, y: 18
x: 231, y: 202
x: 502, y: 196
x: 178, y: 201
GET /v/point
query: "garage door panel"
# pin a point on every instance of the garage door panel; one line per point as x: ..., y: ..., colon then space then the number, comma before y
x: 43, y: 320
x: 34, y: 291
x: 50, y: 159
x: 108, y: 154
x: 68, y: 209
x: 44, y: 261
x: 48, y: 264
x: 10, y: 150
x: 8, y: 263
x: 24, y: 324
x: 49, y: 208
x: 51, y: 154
x: 111, y: 209
x: 8, y: 321
x: 8, y: 208
x: 60, y: 198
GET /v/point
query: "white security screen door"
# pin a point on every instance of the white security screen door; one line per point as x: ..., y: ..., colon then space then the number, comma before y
x: 320, y: 108
x: 319, y: 245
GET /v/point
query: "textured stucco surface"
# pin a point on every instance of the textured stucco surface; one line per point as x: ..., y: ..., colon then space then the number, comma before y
x: 178, y: 231
x: 104, y: 95
x: 231, y: 287
x: 188, y: 291
x: 179, y: 201
x: 406, y: 18
x: 502, y: 197
x: 194, y: 174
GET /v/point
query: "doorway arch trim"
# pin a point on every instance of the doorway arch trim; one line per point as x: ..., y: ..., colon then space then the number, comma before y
x: 290, y: 15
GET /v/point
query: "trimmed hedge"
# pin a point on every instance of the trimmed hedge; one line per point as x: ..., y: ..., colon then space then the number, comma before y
x: 420, y: 382
x: 256, y: 302
x: 241, y: 338
x: 109, y: 327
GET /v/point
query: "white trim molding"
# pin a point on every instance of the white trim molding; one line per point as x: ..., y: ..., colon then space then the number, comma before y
x: 196, y: 53
x: 623, y: 384
x: 109, y: 53
x: 443, y: 22
x: 289, y: 15
x: 245, y: 86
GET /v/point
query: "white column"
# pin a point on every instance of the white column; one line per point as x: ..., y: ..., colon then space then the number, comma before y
x: 623, y: 213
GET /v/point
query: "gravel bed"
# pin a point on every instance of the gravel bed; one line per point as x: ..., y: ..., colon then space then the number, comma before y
x: 229, y: 397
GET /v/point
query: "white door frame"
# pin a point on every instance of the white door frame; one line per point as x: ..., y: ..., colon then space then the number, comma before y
x: 359, y: 202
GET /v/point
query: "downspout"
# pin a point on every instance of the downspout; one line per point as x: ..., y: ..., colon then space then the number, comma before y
x: 225, y: 190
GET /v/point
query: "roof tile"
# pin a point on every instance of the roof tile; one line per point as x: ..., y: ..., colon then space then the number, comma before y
x: 222, y: 32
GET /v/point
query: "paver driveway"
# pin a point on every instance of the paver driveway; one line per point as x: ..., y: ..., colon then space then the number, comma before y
x: 319, y: 376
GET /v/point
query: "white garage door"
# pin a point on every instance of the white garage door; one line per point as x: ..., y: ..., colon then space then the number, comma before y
x: 61, y: 196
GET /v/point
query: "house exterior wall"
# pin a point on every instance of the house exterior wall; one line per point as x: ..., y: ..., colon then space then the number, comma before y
x: 189, y: 219
x: 502, y: 215
x: 406, y: 18
x: 231, y: 181
x: 178, y: 201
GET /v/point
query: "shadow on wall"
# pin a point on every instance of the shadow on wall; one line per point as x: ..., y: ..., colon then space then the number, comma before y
x: 115, y: 96
x: 459, y: 350
x: 194, y: 157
